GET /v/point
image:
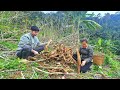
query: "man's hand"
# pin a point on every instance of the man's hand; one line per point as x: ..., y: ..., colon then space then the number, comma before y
x: 77, y: 49
x: 83, y: 63
x: 35, y: 52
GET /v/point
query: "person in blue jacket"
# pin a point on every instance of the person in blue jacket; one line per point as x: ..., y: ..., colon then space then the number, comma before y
x: 30, y: 45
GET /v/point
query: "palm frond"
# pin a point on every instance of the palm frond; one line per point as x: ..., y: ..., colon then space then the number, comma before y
x: 92, y: 24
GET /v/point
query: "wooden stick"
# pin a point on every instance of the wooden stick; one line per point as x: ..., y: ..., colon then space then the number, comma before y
x: 38, y: 60
x: 9, y: 51
x: 46, y: 46
x: 78, y: 61
x: 8, y: 70
x: 9, y: 40
x: 50, y: 67
x: 22, y: 75
x: 54, y: 72
x: 2, y: 57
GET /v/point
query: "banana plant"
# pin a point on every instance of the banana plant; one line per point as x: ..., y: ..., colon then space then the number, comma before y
x: 91, y: 24
x: 79, y: 18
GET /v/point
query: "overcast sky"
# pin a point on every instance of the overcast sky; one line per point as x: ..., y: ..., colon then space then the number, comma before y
x: 95, y: 12
x: 102, y: 12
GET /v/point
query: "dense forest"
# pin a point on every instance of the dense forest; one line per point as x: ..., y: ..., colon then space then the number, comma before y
x: 110, y: 31
x: 102, y: 32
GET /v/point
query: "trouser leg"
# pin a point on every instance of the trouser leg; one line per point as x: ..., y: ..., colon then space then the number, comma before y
x: 18, y: 54
x: 75, y: 57
x: 86, y: 67
x: 25, y: 52
x: 40, y: 48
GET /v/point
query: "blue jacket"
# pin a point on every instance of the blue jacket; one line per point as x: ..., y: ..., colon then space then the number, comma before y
x: 29, y: 40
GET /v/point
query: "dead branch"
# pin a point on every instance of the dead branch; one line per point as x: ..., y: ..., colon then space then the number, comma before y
x: 61, y: 54
x: 9, y: 39
x: 9, y: 70
x: 22, y: 75
x: 2, y: 57
x: 50, y: 67
x: 54, y: 72
x: 38, y: 60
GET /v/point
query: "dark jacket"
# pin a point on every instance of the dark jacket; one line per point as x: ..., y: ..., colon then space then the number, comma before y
x: 86, y: 53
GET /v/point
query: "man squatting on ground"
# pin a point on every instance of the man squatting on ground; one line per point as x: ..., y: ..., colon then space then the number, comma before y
x: 30, y: 45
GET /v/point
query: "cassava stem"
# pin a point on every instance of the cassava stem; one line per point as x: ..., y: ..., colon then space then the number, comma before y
x: 78, y: 60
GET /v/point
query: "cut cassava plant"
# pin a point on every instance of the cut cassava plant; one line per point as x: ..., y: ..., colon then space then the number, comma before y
x: 58, y: 60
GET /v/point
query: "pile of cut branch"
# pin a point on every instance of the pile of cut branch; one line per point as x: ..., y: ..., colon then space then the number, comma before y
x: 57, y: 61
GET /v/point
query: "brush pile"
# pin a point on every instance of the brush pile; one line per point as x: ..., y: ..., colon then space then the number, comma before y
x: 59, y: 60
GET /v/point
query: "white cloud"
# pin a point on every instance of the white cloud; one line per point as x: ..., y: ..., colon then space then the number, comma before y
x: 102, y: 12
x: 95, y: 12
x: 49, y: 11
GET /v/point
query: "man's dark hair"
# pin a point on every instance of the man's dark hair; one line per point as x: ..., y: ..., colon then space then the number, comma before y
x: 34, y: 28
x: 84, y: 39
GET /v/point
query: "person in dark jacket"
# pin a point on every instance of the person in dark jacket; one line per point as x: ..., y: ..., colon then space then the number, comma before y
x: 86, y: 53
x: 30, y: 45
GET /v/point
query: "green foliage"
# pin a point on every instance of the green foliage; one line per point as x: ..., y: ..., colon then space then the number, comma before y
x: 34, y: 64
x: 9, y: 45
x: 92, y: 24
x: 103, y: 46
x: 1, y: 64
x: 114, y: 64
x: 95, y: 67
x: 12, y: 63
x: 45, y: 76
x: 40, y: 75
x: 99, y: 42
